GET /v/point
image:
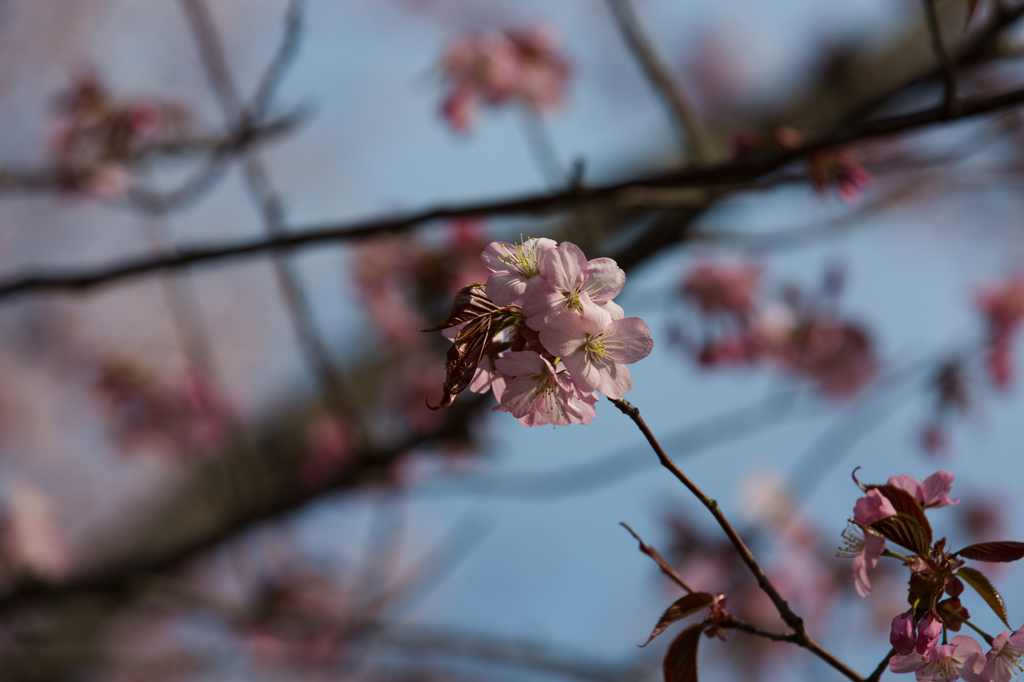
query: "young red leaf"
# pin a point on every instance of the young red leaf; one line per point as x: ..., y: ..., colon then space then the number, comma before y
x: 681, y: 659
x: 983, y: 586
x: 994, y: 551
x: 685, y: 606
x: 470, y: 303
x: 902, y: 529
x: 905, y: 503
x: 468, y: 350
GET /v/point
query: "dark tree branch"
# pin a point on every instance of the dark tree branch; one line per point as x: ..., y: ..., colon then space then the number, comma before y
x: 788, y: 616
x: 721, y: 175
x: 945, y: 61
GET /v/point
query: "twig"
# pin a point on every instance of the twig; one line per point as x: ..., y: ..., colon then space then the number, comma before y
x: 691, y: 129
x: 736, y: 624
x: 788, y: 616
x: 948, y: 68
x: 283, y: 58
x: 722, y: 175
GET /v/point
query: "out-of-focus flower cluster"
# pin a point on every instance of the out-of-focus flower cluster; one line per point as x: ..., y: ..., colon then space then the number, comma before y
x: 97, y: 135
x: 799, y: 333
x: 495, y: 68
x: 187, y: 418
x: 895, y: 513
x: 543, y: 333
x: 955, y: 387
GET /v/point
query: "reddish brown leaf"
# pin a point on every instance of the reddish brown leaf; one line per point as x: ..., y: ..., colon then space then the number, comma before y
x: 902, y: 529
x: 994, y: 551
x: 905, y: 503
x: 681, y: 658
x: 685, y: 606
x: 468, y: 350
x: 470, y: 303
x: 983, y: 585
x: 666, y: 568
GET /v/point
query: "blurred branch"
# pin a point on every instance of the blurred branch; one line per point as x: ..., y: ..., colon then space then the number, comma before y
x: 788, y: 616
x: 244, y: 135
x: 337, y: 394
x: 691, y: 129
x: 721, y: 175
x: 532, y: 654
x: 945, y: 61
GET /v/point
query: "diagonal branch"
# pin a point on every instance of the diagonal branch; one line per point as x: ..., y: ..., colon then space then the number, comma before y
x: 948, y: 68
x: 788, y: 616
x: 691, y: 129
x: 721, y: 175
x: 333, y: 386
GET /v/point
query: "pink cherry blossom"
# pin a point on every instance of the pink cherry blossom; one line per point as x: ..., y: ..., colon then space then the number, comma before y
x: 864, y: 548
x: 1006, y: 656
x: 595, y: 348
x: 515, y: 268
x: 570, y: 282
x: 903, y: 638
x: 537, y: 394
x: 932, y: 493
x: 944, y: 663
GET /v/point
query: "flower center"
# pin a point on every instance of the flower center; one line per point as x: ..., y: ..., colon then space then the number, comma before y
x: 853, y: 543
x: 523, y: 260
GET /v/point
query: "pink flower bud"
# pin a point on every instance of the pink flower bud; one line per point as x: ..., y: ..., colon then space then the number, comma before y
x: 903, y: 638
x: 928, y: 634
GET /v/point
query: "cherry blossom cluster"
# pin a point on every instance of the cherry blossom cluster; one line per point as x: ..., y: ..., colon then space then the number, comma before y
x: 797, y: 332
x: 494, y: 68
x: 543, y: 333
x: 895, y: 513
x: 96, y: 135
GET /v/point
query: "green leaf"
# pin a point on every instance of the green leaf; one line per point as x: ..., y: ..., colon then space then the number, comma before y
x: 681, y: 658
x: 905, y: 503
x: 983, y: 586
x: 685, y: 606
x: 994, y: 551
x: 904, y: 530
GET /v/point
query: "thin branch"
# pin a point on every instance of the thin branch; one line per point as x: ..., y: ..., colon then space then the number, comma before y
x: 721, y: 175
x: 283, y: 58
x: 788, y: 616
x: 242, y: 136
x: 691, y: 129
x: 337, y: 395
x: 743, y: 626
x: 948, y: 67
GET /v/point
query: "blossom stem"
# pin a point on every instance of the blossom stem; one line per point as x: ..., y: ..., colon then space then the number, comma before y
x: 987, y: 637
x: 800, y: 637
x: 895, y: 555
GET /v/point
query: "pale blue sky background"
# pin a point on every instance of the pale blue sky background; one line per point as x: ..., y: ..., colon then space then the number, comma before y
x: 561, y: 568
